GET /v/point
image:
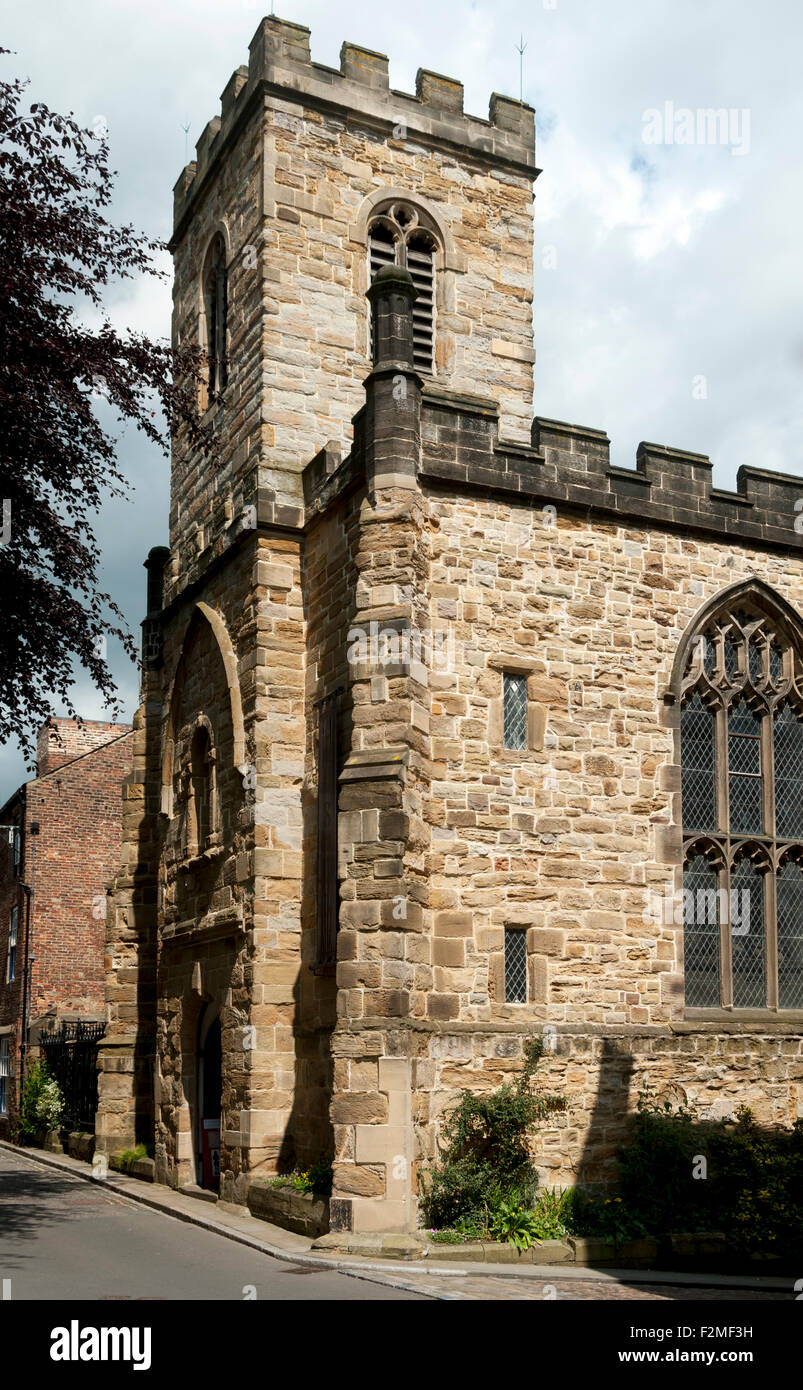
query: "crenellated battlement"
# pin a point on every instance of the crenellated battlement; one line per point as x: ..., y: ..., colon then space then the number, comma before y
x: 280, y: 64
x: 568, y: 467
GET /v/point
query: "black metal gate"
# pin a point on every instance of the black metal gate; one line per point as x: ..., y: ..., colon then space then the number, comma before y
x: 71, y: 1053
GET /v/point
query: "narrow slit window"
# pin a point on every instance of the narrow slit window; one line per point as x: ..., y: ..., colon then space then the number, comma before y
x: 515, y: 965
x: 202, y: 790
x: 4, y: 1071
x: 11, y: 968
x: 216, y: 310
x: 515, y: 711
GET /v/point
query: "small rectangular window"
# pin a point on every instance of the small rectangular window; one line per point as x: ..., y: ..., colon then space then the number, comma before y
x: 515, y: 965
x: 4, y: 1076
x: 11, y: 967
x: 514, y: 689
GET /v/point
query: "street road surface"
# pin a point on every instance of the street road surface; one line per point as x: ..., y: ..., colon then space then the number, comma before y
x: 64, y: 1238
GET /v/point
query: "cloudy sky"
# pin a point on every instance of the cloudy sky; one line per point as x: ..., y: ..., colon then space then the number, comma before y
x: 668, y: 293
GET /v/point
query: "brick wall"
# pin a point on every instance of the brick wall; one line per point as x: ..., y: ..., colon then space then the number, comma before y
x: 77, y: 803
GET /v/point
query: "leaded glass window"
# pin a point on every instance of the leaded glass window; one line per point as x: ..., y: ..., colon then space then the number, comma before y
x: 745, y: 784
x: 741, y: 763
x: 699, y: 764
x: 701, y: 932
x: 515, y: 965
x: 747, y: 936
x: 515, y: 711
x: 790, y: 936
x: 788, y: 741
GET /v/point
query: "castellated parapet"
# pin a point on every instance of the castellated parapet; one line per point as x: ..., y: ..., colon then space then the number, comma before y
x: 280, y: 64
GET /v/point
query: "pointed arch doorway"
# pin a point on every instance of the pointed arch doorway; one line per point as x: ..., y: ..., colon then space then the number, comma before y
x: 210, y: 1070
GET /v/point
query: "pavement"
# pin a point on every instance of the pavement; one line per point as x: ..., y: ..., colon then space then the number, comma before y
x: 64, y: 1233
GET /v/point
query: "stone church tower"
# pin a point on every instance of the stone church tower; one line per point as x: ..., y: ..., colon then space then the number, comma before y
x: 407, y: 781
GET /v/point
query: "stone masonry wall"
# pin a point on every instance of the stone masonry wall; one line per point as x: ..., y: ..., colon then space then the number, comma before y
x: 569, y: 838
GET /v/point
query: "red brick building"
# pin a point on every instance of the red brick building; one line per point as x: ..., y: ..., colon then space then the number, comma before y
x: 59, y: 846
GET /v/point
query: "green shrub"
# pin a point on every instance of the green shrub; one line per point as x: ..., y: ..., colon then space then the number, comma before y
x: 752, y: 1190
x: 656, y: 1164
x: 605, y: 1218
x: 485, y: 1146
x: 41, y: 1104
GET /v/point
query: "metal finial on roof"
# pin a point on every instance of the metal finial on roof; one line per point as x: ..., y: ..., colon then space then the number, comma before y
x: 520, y: 47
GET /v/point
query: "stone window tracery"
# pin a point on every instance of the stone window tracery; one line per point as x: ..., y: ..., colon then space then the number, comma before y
x: 741, y: 739
x: 398, y: 234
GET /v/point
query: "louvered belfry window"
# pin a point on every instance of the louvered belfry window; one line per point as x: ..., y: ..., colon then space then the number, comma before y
x: 397, y: 237
x: 741, y: 753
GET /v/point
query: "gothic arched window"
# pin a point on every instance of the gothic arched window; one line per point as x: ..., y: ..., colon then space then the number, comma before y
x: 397, y: 236
x: 215, y: 292
x: 741, y: 759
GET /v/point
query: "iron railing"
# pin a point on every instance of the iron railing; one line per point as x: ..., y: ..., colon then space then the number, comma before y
x: 71, y: 1053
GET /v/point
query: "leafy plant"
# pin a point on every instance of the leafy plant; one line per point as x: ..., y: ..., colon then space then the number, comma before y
x: 316, y: 1179
x: 485, y: 1145
x: 41, y: 1104
x: 515, y: 1224
x: 554, y: 1213
x: 126, y: 1158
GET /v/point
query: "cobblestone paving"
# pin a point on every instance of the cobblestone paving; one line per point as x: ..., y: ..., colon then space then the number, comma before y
x: 488, y: 1287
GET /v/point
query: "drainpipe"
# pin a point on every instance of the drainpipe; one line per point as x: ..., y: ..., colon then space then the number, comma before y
x: 27, y: 979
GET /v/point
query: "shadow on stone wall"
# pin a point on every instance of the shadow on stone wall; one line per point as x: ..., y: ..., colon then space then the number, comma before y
x: 597, y: 1168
